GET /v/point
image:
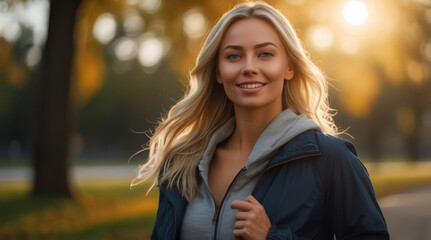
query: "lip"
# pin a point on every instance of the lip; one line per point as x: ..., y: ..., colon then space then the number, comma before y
x: 251, y: 86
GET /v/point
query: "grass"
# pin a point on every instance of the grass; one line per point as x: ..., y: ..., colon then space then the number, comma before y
x: 108, y: 209
x: 393, y: 177
x: 99, y: 211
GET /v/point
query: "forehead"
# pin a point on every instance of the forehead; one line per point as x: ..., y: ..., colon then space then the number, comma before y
x: 250, y: 31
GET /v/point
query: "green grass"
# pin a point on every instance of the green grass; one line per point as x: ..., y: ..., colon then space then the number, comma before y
x: 108, y: 209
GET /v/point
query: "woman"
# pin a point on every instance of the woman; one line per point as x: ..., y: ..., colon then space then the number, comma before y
x: 250, y: 151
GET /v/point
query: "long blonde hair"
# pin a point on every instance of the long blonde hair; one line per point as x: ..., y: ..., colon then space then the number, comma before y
x: 182, y: 136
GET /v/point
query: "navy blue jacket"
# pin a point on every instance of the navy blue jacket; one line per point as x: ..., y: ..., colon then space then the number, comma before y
x: 315, y: 187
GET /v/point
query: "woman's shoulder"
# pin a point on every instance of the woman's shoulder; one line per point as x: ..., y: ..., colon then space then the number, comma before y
x: 338, y: 157
x: 334, y: 146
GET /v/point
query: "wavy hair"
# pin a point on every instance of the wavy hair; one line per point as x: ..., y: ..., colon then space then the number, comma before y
x: 182, y: 136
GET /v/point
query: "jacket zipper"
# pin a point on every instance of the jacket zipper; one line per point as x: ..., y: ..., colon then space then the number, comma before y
x: 217, y: 211
x: 281, y: 163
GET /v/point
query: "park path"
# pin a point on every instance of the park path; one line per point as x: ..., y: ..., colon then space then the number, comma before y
x: 25, y: 174
x: 408, y: 214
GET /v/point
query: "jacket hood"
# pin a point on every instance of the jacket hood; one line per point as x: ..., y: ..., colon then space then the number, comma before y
x: 284, y: 127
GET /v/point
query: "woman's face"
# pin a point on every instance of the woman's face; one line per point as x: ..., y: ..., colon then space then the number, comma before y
x: 253, y: 64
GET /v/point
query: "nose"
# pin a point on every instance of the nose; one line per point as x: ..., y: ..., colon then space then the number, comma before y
x: 249, y: 68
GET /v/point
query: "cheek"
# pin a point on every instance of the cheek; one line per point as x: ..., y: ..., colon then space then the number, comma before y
x: 228, y: 72
x: 275, y: 72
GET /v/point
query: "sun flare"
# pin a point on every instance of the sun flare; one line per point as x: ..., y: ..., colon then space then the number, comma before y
x: 355, y: 12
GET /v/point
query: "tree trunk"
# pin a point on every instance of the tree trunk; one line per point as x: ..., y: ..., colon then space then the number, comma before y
x: 53, y: 111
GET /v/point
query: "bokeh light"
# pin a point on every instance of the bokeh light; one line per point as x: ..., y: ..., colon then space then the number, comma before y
x: 150, y: 51
x: 105, y: 28
x: 125, y: 49
x: 355, y: 12
x: 12, y: 30
x: 33, y: 56
x: 350, y: 45
x: 194, y: 23
x: 150, y: 6
x: 321, y: 37
x: 132, y: 2
x: 29, y: 14
x: 295, y: 2
x: 133, y: 23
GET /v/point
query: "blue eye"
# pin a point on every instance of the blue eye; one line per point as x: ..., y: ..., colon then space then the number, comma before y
x: 232, y: 56
x: 266, y: 54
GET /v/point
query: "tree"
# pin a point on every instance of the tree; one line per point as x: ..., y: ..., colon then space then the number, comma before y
x: 53, y: 111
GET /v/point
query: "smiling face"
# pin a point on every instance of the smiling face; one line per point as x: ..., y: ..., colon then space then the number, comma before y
x: 253, y: 64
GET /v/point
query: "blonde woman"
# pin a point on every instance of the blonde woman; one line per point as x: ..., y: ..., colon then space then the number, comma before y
x: 251, y: 152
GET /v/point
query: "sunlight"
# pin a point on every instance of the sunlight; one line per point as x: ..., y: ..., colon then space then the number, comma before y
x: 321, y: 37
x: 350, y: 45
x: 355, y: 12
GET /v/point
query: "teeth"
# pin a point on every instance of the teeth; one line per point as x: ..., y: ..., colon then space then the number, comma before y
x: 251, y: 85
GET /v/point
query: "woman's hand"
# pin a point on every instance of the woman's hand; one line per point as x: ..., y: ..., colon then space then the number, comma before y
x: 251, y: 222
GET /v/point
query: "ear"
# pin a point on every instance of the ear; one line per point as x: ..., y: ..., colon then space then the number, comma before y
x: 290, y: 72
x: 218, y: 77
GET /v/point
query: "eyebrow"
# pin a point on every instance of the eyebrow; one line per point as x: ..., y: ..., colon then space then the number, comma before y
x: 260, y: 45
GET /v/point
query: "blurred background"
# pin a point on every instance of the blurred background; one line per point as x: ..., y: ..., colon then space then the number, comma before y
x: 83, y: 82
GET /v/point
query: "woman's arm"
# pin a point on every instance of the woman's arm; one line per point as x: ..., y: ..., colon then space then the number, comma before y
x: 352, y: 205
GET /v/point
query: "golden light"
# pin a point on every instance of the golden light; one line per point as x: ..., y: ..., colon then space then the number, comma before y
x: 414, y: 71
x: 359, y: 87
x: 321, y: 37
x: 350, y: 45
x: 355, y: 12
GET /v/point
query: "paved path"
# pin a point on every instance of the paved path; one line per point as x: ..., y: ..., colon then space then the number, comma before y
x: 78, y: 173
x: 408, y: 214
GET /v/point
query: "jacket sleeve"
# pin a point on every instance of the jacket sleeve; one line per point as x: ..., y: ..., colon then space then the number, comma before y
x: 164, y: 226
x: 353, y: 210
x: 276, y: 233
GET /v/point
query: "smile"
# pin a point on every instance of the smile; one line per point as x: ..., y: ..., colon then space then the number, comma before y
x: 251, y: 85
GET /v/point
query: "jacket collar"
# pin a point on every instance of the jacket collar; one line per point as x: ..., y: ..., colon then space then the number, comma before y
x: 304, y: 144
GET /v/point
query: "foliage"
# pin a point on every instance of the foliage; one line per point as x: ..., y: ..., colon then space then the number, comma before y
x: 380, y: 73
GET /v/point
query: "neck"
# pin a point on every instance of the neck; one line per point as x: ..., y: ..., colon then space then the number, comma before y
x: 250, y: 124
